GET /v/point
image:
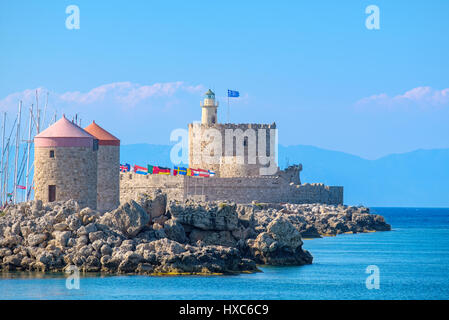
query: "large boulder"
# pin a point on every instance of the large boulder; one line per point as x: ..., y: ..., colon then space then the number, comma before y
x: 130, y: 218
x: 280, y: 245
x: 36, y: 239
x: 61, y: 237
x: 175, y: 231
x: 219, y: 216
x: 154, y: 204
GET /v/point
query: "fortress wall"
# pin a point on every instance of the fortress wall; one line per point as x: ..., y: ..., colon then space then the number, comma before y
x: 240, y: 190
x: 132, y: 184
x: 262, y: 189
x: 315, y: 193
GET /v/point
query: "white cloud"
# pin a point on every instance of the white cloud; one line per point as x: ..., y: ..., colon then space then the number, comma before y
x: 423, y: 97
x: 125, y: 94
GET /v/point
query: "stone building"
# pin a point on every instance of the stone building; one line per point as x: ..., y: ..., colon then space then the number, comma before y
x: 65, y: 164
x: 228, y: 149
x: 108, y: 163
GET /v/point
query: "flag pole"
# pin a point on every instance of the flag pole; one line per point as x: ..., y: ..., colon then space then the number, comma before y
x: 229, y: 121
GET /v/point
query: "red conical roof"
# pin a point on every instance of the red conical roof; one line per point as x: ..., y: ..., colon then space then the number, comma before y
x: 104, y: 137
x: 64, y: 133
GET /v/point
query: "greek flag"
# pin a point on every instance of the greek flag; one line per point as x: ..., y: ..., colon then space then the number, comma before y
x: 233, y: 94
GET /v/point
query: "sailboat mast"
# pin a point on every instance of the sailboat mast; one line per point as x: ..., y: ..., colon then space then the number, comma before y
x: 7, y: 170
x: 45, y: 111
x: 38, y: 125
x: 2, y: 195
x: 28, y: 154
x: 16, y: 157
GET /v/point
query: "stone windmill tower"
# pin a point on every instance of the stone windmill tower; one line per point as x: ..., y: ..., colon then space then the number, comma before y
x: 108, y: 159
x: 65, y: 164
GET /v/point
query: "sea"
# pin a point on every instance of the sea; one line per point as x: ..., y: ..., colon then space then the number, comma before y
x: 409, y: 262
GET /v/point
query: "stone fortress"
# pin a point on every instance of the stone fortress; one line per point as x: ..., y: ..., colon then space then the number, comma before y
x: 83, y: 164
x: 239, y: 176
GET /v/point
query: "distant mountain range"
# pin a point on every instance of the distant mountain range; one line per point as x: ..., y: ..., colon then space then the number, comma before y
x: 414, y: 179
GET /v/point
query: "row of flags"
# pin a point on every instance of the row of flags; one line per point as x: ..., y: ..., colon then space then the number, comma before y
x: 177, y: 170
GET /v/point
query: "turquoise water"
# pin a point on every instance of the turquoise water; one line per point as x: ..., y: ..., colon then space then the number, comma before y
x: 413, y: 261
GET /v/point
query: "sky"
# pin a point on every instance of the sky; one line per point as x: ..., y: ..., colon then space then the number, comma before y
x: 140, y: 68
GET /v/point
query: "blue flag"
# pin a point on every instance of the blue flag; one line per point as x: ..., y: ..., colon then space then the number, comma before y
x: 233, y: 94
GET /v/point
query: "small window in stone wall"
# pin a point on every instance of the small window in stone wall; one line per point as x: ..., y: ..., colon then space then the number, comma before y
x: 52, y: 153
x: 95, y: 144
x: 51, y: 193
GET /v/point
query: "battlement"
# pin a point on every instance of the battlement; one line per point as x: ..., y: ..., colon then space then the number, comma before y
x: 243, y: 126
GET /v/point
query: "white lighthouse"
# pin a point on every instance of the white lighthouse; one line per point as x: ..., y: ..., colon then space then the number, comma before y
x: 209, y: 108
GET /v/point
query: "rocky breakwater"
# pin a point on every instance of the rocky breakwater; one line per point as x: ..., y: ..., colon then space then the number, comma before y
x: 315, y: 220
x: 151, y: 236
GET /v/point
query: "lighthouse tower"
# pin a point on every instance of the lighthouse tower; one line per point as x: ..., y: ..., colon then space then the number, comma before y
x: 209, y: 108
x: 65, y: 164
x: 108, y: 158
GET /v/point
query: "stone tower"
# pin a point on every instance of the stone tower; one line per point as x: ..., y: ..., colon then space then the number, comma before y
x: 209, y: 108
x: 108, y: 158
x: 65, y: 164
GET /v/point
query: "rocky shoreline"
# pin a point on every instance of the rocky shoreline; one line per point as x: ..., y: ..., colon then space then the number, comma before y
x: 155, y: 237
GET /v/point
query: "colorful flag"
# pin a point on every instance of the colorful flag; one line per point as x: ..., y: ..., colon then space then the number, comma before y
x: 9, y: 195
x: 21, y: 187
x: 125, y: 167
x: 233, y: 94
x: 203, y: 173
x: 180, y: 170
x: 140, y: 170
x: 153, y: 169
x: 163, y: 170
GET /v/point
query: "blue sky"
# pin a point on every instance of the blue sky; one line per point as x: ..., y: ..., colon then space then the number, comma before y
x: 140, y: 68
